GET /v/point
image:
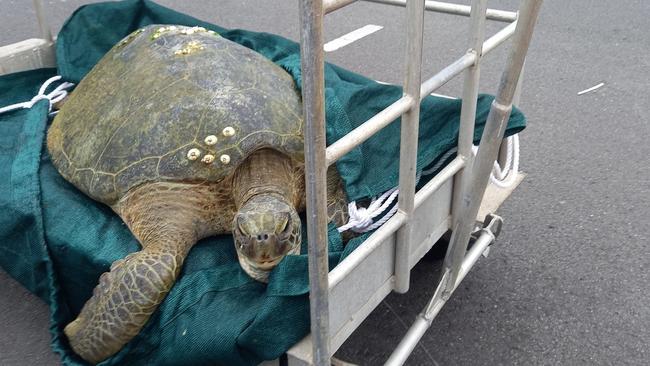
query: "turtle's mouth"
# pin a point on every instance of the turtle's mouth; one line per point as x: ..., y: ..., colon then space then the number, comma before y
x: 260, y: 270
x: 268, y: 265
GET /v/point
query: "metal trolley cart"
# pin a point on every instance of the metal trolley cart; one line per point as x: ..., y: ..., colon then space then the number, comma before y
x: 342, y: 298
x: 455, y: 199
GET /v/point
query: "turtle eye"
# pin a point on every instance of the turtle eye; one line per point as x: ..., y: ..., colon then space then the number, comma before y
x: 286, y: 227
x: 240, y: 226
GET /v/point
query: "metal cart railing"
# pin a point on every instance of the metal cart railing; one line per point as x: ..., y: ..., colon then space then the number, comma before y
x: 450, y: 200
x: 401, y: 240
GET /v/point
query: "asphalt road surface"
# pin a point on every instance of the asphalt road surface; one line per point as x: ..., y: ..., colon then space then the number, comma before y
x: 568, y: 283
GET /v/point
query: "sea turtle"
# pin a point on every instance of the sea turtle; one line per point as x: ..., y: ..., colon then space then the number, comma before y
x: 185, y: 135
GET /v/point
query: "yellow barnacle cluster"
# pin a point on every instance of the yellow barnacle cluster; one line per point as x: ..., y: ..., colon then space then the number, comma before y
x: 130, y: 37
x: 183, y: 30
x: 160, y: 31
x: 193, y: 30
x: 190, y: 47
x: 211, y: 140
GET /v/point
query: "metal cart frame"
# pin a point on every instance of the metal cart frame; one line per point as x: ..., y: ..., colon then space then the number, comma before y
x: 341, y: 299
x: 422, y: 217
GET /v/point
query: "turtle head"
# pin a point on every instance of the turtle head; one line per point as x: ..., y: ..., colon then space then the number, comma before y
x: 265, y: 229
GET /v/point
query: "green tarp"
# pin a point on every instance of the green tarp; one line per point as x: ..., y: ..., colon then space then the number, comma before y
x: 57, y: 242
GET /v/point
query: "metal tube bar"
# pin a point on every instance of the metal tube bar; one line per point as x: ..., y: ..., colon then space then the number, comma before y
x: 499, y: 37
x: 503, y: 149
x: 331, y: 5
x: 488, y: 46
x: 523, y: 36
x: 435, y: 6
x: 465, y: 61
x: 472, y: 77
x: 360, y: 134
x: 473, y: 188
x: 408, y: 343
x: 409, y: 141
x: 480, y: 245
x: 436, y: 182
x: 454, y: 9
x: 424, y: 320
x: 43, y: 26
x: 448, y: 73
x: 355, y: 258
x: 518, y: 88
x: 470, y: 94
x: 312, y: 63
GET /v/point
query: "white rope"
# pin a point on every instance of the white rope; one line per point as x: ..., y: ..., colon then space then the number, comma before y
x: 361, y: 218
x: 440, y: 161
x: 504, y: 177
x: 54, y: 96
x: 384, y: 218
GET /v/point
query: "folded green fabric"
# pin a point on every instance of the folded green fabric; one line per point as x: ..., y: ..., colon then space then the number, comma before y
x: 56, y: 241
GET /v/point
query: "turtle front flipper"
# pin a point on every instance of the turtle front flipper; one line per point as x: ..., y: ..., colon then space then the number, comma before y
x: 164, y: 219
x: 125, y: 299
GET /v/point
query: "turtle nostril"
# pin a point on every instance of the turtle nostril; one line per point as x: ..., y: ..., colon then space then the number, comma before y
x: 261, y: 237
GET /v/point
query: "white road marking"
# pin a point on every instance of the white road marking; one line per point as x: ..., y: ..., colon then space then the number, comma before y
x: 351, y: 37
x: 591, y: 89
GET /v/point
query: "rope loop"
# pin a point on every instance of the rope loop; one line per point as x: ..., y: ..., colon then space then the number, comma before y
x: 58, y: 94
x: 504, y: 177
x: 361, y: 218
